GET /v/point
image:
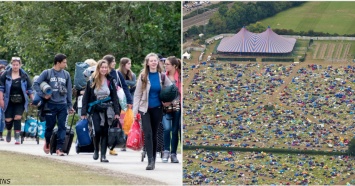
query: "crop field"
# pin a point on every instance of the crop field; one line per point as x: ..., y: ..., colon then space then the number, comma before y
x: 319, y: 16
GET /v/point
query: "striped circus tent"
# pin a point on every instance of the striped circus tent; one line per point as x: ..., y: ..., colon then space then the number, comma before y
x: 248, y: 42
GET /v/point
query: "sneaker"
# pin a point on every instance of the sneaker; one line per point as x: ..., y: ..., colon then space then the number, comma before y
x: 8, y: 136
x: 60, y: 152
x: 165, y: 157
x: 46, y: 148
x: 123, y: 149
x: 113, y: 152
x: 17, y: 143
x: 174, y: 158
x: 1, y: 139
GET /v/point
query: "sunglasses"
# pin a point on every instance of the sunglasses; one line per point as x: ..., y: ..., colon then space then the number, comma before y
x: 15, y: 59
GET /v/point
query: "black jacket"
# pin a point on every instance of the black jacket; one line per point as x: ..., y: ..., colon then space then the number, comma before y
x: 89, y: 96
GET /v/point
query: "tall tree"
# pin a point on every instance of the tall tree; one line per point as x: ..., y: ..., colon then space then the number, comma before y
x: 81, y: 30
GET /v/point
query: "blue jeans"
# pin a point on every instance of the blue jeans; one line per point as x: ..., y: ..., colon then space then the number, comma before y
x: 57, y: 112
x: 171, y: 124
x: 2, y: 120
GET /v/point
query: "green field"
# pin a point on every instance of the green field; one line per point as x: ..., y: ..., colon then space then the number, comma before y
x: 329, y: 16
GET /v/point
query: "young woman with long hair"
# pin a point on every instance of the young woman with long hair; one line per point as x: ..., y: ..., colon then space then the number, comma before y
x: 120, y: 83
x: 147, y: 102
x: 129, y: 76
x: 172, y: 117
x: 100, y: 87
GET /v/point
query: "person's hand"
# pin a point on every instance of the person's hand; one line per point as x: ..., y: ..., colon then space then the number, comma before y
x: 117, y: 117
x: 84, y: 117
x: 47, y: 96
x: 129, y: 106
x: 71, y: 111
x: 166, y: 104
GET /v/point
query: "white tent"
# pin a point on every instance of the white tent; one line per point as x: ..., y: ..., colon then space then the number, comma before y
x: 186, y: 56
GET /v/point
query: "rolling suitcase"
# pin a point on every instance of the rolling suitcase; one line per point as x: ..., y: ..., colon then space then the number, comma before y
x: 87, y: 148
x: 84, y: 149
x: 69, y: 135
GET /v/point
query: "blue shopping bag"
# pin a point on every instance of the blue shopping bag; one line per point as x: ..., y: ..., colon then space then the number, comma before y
x: 41, y: 129
x: 32, y: 125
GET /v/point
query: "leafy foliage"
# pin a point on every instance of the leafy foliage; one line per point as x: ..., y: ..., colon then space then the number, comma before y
x: 36, y: 31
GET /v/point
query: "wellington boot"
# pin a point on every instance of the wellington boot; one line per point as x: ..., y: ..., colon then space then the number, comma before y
x: 96, y: 148
x: 151, y: 164
x: 103, y: 149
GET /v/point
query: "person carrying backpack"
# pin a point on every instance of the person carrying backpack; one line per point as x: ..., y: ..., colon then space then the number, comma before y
x: 147, y: 102
x: 16, y: 87
x: 59, y: 103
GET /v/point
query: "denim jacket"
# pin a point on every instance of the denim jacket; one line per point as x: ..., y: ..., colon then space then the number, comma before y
x: 5, y: 86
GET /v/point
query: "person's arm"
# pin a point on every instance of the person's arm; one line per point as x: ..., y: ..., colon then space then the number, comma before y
x: 125, y: 88
x: 85, y: 100
x: 137, y: 96
x: 114, y: 98
x: 29, y: 90
x: 2, y: 89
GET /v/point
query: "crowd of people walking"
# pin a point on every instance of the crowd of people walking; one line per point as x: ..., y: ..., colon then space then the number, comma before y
x: 142, y: 94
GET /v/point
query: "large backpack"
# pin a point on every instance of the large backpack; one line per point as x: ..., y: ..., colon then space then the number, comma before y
x: 79, y: 78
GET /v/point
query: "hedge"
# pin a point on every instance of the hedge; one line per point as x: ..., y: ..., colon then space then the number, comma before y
x: 282, y: 151
x: 277, y: 60
x: 237, y: 59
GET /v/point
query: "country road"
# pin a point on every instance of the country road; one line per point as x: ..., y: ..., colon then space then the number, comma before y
x: 198, y: 20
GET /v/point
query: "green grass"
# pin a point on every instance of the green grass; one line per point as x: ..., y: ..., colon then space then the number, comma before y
x: 33, y: 170
x: 329, y: 16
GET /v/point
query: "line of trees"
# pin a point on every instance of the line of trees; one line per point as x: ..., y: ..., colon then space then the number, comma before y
x: 230, y: 20
x: 36, y: 31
